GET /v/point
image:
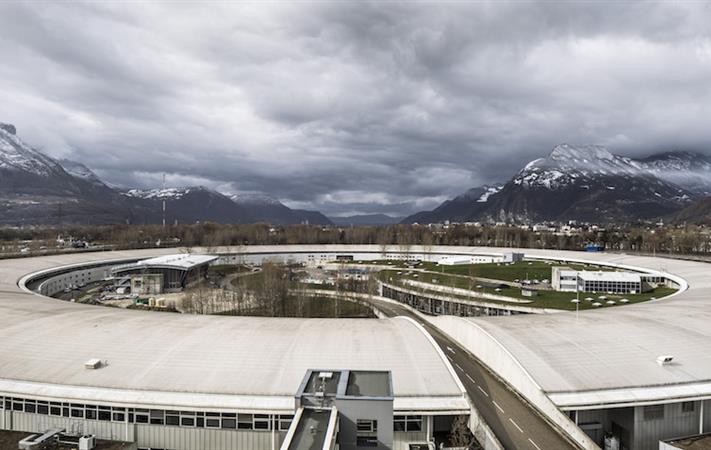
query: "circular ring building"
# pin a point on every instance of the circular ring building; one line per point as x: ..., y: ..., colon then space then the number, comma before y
x: 525, y: 379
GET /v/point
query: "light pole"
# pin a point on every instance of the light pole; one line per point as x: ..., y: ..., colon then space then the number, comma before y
x: 576, y: 300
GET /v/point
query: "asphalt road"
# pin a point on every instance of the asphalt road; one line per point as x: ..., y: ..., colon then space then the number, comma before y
x: 515, y: 422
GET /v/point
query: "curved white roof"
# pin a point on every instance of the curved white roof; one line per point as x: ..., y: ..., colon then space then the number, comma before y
x: 245, y: 363
x: 607, y: 356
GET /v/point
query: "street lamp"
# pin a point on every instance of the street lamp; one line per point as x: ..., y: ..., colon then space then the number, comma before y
x: 576, y: 300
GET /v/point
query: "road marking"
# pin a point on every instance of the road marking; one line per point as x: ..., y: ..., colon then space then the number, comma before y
x: 459, y: 367
x: 449, y: 358
x: 449, y: 349
x: 482, y: 390
x: 516, y: 425
x: 470, y: 378
x: 534, y: 444
x: 498, y: 407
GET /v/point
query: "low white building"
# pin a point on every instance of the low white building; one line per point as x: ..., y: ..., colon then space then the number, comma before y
x: 455, y: 260
x: 565, y: 279
x: 616, y: 282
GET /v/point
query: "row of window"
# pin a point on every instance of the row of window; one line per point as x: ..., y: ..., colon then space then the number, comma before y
x: 656, y: 412
x: 605, y: 286
x: 190, y: 419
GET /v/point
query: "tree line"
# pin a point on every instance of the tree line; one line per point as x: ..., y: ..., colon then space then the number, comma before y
x: 677, y: 240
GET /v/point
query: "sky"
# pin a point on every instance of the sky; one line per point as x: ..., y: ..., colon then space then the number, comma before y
x: 350, y: 107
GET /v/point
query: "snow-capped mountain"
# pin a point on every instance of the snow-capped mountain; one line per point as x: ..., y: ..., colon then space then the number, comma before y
x: 36, y: 189
x: 188, y: 205
x: 265, y: 208
x: 161, y: 193
x: 587, y: 183
x: 488, y: 192
x: 17, y: 156
x: 567, y: 165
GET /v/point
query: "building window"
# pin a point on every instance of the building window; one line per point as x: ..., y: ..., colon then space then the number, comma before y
x: 285, y: 422
x: 687, y: 407
x: 366, y: 433
x: 55, y: 409
x: 157, y: 417
x: 187, y: 421
x: 212, y: 422
x: 653, y: 412
x: 104, y: 413
x: 172, y: 418
x: 138, y: 415
x: 261, y: 422
x: 407, y: 423
x: 244, y: 422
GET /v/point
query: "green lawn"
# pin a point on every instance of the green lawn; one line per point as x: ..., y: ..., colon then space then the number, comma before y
x: 522, y: 270
x: 545, y: 299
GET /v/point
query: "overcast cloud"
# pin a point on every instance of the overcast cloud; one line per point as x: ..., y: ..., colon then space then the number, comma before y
x: 350, y: 107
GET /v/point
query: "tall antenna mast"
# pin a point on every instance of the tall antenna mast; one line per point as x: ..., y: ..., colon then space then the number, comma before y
x: 163, y: 200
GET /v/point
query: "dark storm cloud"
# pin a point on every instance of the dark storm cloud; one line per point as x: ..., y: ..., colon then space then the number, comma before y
x: 350, y: 107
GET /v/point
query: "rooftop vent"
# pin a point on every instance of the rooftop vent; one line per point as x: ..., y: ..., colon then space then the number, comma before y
x: 664, y: 360
x: 93, y: 363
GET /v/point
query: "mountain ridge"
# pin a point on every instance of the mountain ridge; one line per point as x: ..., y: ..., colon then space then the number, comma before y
x: 37, y: 189
x: 588, y: 183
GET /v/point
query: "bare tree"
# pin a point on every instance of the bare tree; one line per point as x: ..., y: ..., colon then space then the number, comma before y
x: 459, y: 435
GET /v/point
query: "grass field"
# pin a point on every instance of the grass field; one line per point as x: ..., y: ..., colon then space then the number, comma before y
x: 539, y: 270
x: 531, y: 270
x: 545, y: 299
